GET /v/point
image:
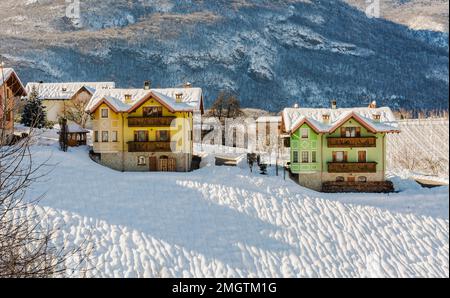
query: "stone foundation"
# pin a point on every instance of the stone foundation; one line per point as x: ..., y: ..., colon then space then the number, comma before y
x: 128, y: 161
x: 345, y: 187
x: 310, y: 180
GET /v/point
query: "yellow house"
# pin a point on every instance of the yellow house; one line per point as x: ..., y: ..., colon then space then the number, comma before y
x: 144, y: 129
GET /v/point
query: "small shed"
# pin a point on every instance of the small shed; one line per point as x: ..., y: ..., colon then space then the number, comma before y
x: 76, y: 135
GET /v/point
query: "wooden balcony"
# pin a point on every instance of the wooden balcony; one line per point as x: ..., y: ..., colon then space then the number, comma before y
x: 149, y: 147
x: 352, y: 142
x: 150, y: 121
x: 347, y: 187
x: 352, y: 167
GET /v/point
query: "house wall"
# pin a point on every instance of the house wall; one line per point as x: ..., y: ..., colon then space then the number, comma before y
x: 9, y: 125
x: 59, y: 107
x: 55, y: 108
x: 311, y: 144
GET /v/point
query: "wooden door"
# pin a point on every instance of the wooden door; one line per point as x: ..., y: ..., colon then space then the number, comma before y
x: 362, y: 156
x: 172, y: 165
x: 163, y: 165
x: 153, y: 164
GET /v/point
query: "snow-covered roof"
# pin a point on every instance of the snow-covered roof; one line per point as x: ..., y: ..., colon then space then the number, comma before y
x: 190, y: 99
x: 75, y: 128
x: 293, y: 118
x: 270, y: 119
x: 6, y: 73
x: 65, y: 91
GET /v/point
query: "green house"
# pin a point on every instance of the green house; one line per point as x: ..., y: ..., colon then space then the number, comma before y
x: 339, y: 150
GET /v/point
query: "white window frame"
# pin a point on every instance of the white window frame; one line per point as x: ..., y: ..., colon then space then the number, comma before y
x: 107, y: 113
x: 141, y: 161
x: 304, y: 130
x: 107, y: 136
x: 305, y: 155
x: 114, y: 136
x: 313, y: 160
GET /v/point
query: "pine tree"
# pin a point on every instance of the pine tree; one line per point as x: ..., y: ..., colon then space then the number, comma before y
x: 33, y: 114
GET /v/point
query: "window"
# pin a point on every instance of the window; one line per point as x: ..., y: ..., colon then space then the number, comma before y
x: 105, y: 113
x: 314, y: 157
x: 340, y: 179
x: 8, y: 116
x: 339, y: 156
x: 96, y: 136
x: 362, y: 179
x: 162, y: 136
x: 304, y: 133
x: 141, y: 136
x: 305, y: 157
x: 351, y: 132
x: 362, y: 156
x: 142, y: 161
x: 295, y: 157
x: 128, y: 98
x: 152, y: 111
x: 114, y: 136
x: 105, y: 137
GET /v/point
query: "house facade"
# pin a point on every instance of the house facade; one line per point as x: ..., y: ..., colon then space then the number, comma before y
x: 59, y: 98
x: 11, y: 90
x: 145, y: 129
x: 340, y: 150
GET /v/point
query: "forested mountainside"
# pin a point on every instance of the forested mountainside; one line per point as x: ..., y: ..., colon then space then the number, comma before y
x: 271, y: 53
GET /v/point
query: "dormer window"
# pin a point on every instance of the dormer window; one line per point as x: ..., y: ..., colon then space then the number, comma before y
x: 179, y: 97
x: 326, y: 118
x: 64, y: 89
x: 127, y: 98
x: 376, y: 117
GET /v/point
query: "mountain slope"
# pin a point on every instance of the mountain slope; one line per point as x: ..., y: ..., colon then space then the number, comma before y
x: 306, y: 52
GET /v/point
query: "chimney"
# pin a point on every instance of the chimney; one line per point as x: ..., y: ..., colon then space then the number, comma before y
x: 326, y: 118
x: 41, y: 82
x: 373, y: 105
x: 296, y: 106
x: 179, y: 97
x: 334, y: 104
x: 376, y: 117
x: 187, y: 85
x: 147, y: 85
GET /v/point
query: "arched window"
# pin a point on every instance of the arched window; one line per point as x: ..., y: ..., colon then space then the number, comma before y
x: 362, y: 179
x: 340, y: 179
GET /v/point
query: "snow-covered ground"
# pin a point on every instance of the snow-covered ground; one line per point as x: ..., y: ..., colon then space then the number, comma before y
x: 228, y: 222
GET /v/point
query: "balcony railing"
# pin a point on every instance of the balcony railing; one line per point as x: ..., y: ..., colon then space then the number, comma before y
x: 352, y: 167
x: 149, y: 121
x: 352, y: 142
x: 149, y: 147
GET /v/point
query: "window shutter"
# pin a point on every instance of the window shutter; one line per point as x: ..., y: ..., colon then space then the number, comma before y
x: 334, y: 156
x: 345, y: 156
x: 343, y: 132
x: 358, y: 132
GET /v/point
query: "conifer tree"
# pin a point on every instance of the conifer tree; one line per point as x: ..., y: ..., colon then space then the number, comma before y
x: 33, y: 114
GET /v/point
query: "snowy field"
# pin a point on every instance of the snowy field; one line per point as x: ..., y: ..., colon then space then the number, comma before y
x: 226, y: 222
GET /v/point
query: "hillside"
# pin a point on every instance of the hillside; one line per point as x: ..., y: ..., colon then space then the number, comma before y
x: 273, y: 56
